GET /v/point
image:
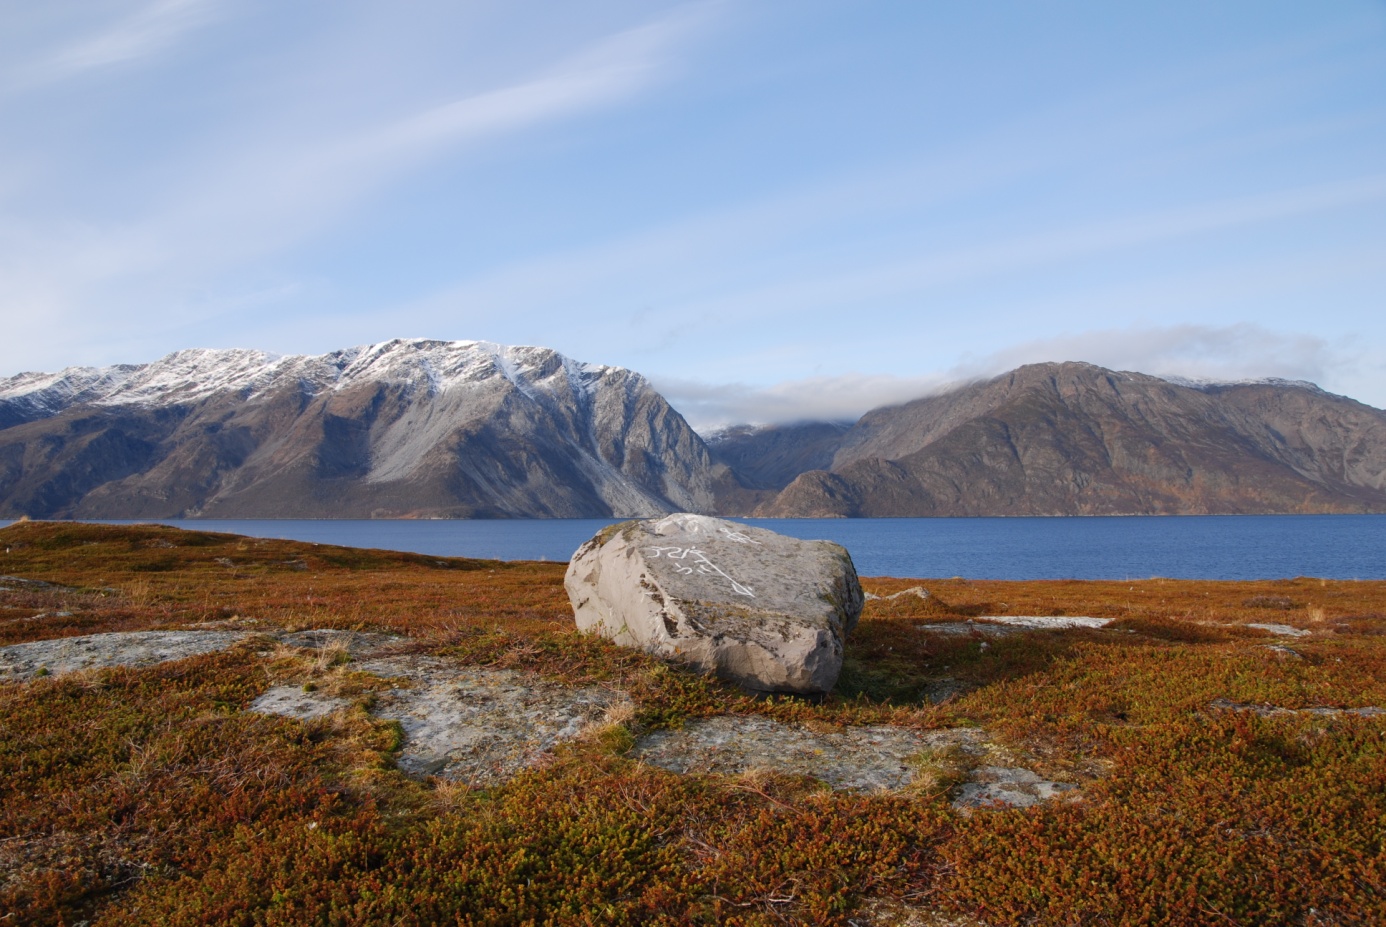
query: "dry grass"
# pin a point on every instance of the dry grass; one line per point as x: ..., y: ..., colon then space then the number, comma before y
x: 150, y: 797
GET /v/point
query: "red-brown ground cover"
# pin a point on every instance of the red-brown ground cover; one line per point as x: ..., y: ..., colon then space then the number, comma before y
x: 149, y: 797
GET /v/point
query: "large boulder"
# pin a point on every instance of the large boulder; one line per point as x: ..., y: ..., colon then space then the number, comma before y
x: 768, y: 612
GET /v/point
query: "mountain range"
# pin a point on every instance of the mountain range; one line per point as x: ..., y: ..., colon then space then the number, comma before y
x: 467, y: 429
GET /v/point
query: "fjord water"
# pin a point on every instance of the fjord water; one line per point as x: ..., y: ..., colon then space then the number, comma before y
x: 1133, y: 547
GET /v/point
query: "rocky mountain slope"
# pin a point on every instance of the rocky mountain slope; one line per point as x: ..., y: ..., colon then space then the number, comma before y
x: 1076, y: 439
x: 471, y: 429
x: 404, y: 428
x: 771, y: 457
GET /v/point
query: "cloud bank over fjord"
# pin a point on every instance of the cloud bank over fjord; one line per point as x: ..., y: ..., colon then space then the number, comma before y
x: 1200, y: 352
x: 708, y: 407
x: 1230, y: 353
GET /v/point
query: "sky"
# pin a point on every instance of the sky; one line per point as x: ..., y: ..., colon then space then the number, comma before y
x: 774, y: 209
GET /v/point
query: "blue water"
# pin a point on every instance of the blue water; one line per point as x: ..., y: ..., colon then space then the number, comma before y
x: 1182, y: 547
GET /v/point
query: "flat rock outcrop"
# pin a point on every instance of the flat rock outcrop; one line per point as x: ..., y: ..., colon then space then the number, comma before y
x: 859, y: 759
x: 768, y: 612
x: 863, y: 759
x: 482, y: 726
x: 466, y: 723
x: 20, y: 662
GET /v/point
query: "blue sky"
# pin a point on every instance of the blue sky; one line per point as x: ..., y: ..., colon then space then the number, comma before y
x: 774, y: 209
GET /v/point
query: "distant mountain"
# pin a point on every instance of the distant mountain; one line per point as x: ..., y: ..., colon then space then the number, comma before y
x: 1075, y: 439
x: 469, y: 429
x: 771, y: 457
x: 404, y: 428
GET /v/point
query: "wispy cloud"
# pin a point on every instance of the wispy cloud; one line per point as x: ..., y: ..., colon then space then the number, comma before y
x: 607, y: 72
x: 276, y: 183
x: 1040, y: 248
x: 274, y: 192
x: 148, y: 31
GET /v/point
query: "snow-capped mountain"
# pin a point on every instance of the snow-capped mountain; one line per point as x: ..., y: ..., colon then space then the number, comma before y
x: 402, y: 428
x: 472, y: 429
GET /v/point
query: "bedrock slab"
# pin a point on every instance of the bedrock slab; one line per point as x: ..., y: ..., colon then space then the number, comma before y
x: 470, y: 724
x: 866, y: 759
x: 767, y: 612
x: 21, y: 662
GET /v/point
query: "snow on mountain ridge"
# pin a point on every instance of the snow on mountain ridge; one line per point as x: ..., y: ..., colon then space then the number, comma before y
x: 195, y: 374
x: 1207, y: 383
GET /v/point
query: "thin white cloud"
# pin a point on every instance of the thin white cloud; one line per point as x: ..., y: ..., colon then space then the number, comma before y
x: 273, y: 191
x: 609, y: 71
x: 1041, y: 248
x: 146, y: 32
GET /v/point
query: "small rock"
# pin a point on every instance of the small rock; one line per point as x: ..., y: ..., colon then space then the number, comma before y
x: 768, y: 612
x: 918, y: 591
x: 1284, y: 630
x: 294, y: 702
x: 1047, y: 622
x: 1010, y: 786
x: 1001, y: 625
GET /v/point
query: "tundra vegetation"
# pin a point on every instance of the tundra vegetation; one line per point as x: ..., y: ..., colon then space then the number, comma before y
x: 1214, y: 788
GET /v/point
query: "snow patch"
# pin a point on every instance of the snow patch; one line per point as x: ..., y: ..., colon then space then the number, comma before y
x: 196, y: 374
x: 1203, y: 384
